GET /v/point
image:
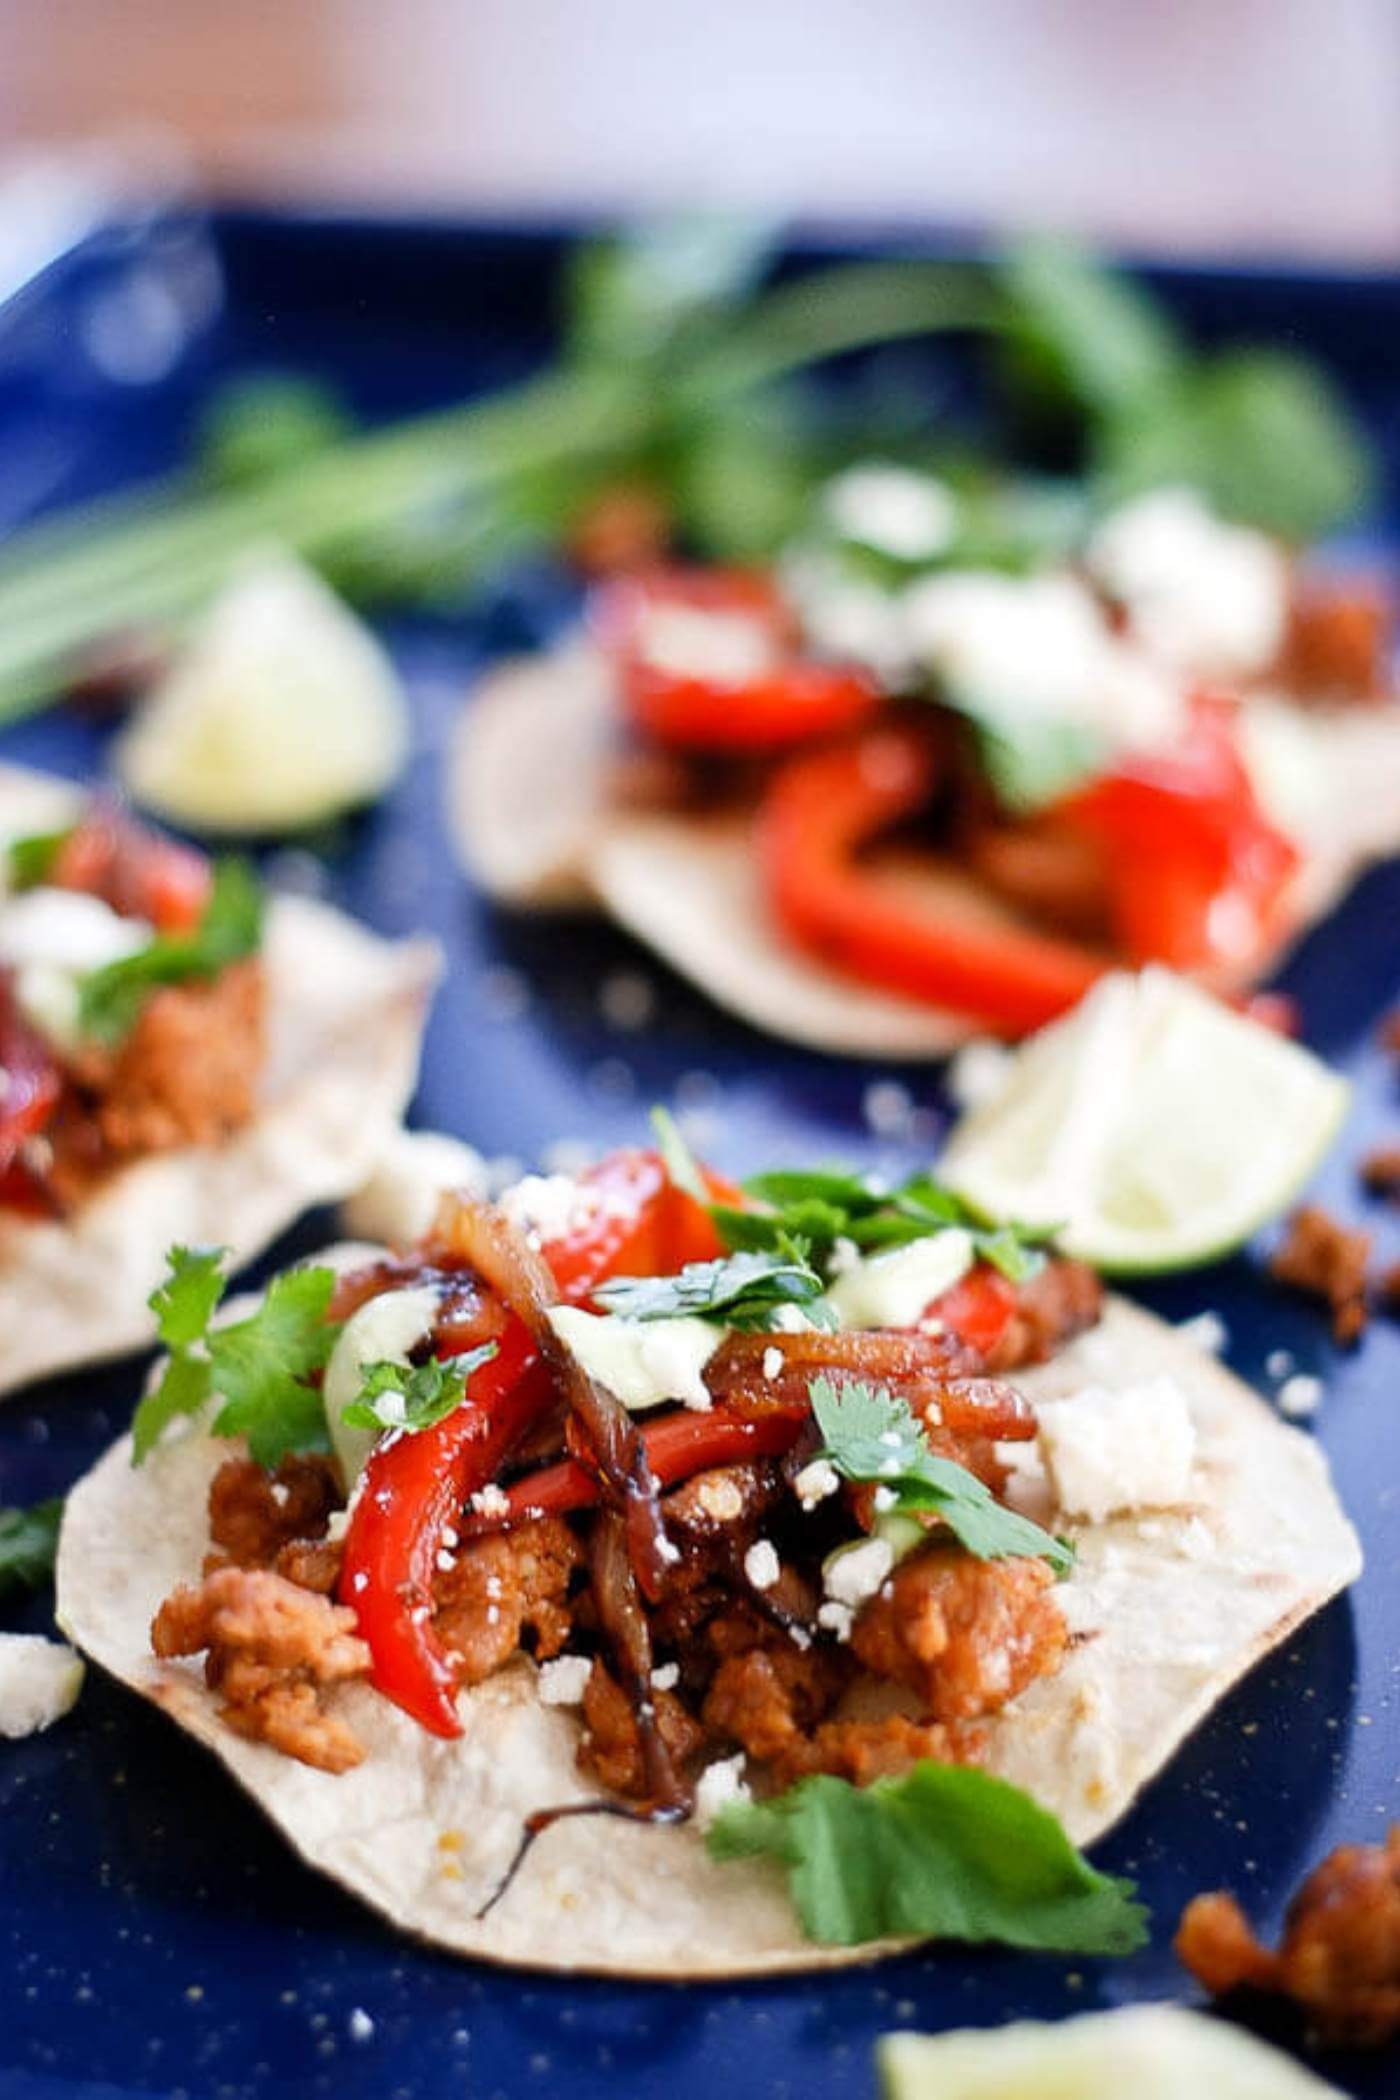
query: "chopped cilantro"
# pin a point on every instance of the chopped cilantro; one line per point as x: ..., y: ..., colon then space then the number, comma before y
x: 230, y: 927
x: 414, y: 1396
x: 872, y: 1436
x: 743, y: 1290
x: 259, y: 1368
x: 28, y: 1542
x: 822, y: 1204
x: 31, y: 859
x: 942, y: 1851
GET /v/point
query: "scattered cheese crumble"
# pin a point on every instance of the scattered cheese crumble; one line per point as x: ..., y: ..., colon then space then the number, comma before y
x: 564, y: 1681
x: 854, y: 1573
x: 39, y: 1682
x: 761, y: 1566
x: 1300, y: 1395
x: 1108, y: 1450
x: 717, y: 1786
x: 815, y: 1482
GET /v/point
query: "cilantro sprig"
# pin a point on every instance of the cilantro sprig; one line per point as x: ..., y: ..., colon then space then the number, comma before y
x: 414, y: 1396
x: 814, y: 1207
x: 230, y: 927
x: 28, y: 1543
x: 942, y: 1851
x: 261, y: 1368
x: 30, y: 860
x: 872, y: 1436
x: 743, y: 1290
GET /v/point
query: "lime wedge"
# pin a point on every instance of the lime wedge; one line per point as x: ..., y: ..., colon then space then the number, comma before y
x: 1153, y: 2052
x: 1154, y: 1126
x: 280, y: 712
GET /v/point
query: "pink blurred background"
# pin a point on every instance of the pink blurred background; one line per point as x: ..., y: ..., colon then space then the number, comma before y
x: 1222, y: 126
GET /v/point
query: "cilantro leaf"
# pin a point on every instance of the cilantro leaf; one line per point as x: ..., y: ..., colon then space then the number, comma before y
x: 942, y: 1851
x: 230, y: 927
x: 743, y: 1290
x: 28, y: 1542
x: 31, y: 859
x: 823, y: 1204
x: 260, y: 1365
x: 187, y: 1300
x: 872, y: 1436
x: 414, y: 1396
x: 259, y: 1368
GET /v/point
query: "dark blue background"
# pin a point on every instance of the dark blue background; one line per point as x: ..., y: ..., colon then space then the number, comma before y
x: 155, y: 1938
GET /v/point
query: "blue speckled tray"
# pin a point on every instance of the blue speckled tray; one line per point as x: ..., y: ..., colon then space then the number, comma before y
x: 155, y: 1938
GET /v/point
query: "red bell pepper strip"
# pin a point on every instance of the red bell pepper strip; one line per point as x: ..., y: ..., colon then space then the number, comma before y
x: 676, y: 1446
x: 137, y: 872
x: 977, y: 1309
x: 820, y: 811
x: 30, y: 1084
x: 415, y: 1486
x: 1198, y: 872
x: 767, y: 699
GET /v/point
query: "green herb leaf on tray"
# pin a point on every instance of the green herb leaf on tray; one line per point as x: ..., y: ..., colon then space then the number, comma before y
x: 743, y: 1290
x: 259, y: 1368
x: 28, y: 1543
x: 943, y: 1851
x: 31, y: 859
x: 414, y: 1396
x: 1091, y: 332
x: 871, y: 1435
x: 230, y: 928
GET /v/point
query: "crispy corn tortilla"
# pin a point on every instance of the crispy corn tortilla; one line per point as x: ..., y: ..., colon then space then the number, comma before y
x: 1178, y: 1606
x: 345, y: 1018
x: 529, y: 810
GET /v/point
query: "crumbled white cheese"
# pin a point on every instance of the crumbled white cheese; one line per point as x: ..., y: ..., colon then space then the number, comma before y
x: 717, y: 1786
x: 1107, y: 1450
x: 790, y: 1319
x: 1207, y: 1331
x: 564, y: 1681
x: 642, y: 1362
x: 895, y: 510
x: 1280, y: 1363
x: 361, y: 2025
x: 978, y: 1071
x: 398, y: 1202
x: 1208, y: 597
x: 846, y: 616
x: 772, y: 1364
x: 815, y: 1482
x: 690, y: 642
x: 385, y: 1329
x: 39, y: 1681
x: 51, y: 939
x: 1300, y: 1395
x: 836, y: 1618
x: 720, y: 1497
x: 761, y: 1564
x: 854, y: 1573
x: 548, y: 1206
x: 666, y: 1677
x: 490, y: 1501
x: 1039, y: 648
x: 896, y: 1289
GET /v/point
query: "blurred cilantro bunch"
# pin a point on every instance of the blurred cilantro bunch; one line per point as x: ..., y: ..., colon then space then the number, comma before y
x: 690, y: 384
